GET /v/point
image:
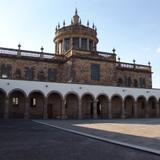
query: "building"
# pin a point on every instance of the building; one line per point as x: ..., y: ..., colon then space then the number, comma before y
x: 76, y: 82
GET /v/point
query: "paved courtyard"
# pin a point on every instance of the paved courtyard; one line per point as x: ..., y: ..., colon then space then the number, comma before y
x: 27, y: 140
x: 144, y: 133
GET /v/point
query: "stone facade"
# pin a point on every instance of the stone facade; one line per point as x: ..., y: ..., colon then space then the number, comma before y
x: 76, y: 61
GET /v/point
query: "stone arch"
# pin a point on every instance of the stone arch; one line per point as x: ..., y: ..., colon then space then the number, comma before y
x: 16, y: 106
x: 2, y: 102
x: 152, y: 106
x: 71, y: 104
x: 87, y: 100
x: 36, y: 100
x: 102, y: 105
x: 54, y: 106
x: 141, y: 107
x: 116, y: 103
x: 129, y: 106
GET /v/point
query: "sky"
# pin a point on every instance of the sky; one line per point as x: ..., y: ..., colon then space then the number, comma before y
x: 130, y: 26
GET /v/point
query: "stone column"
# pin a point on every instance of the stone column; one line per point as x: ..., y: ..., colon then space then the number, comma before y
x: 71, y: 43
x: 95, y: 109
x: 6, y: 109
x: 147, y: 109
x: 80, y: 43
x: 63, y: 112
x: 45, y: 114
x: 157, y: 110
x: 135, y: 109
x: 109, y: 109
x: 123, y: 115
x: 79, y: 109
x: 87, y: 44
x: 26, y: 109
x: 63, y: 44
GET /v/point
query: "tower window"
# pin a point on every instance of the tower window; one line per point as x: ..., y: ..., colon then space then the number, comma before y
x: 84, y: 43
x: 90, y: 45
x: 95, y: 72
x: 66, y: 44
x: 76, y: 43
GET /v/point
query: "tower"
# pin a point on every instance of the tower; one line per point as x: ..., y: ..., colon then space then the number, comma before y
x: 75, y: 36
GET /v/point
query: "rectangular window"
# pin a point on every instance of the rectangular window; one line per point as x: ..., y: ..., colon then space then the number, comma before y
x: 66, y: 44
x: 76, y: 43
x: 95, y: 72
x: 33, y: 102
x: 84, y: 43
x: 15, y: 101
x: 52, y: 74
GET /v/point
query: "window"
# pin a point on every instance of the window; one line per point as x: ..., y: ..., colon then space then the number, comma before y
x: 29, y: 73
x: 129, y: 82
x: 18, y: 74
x: 6, y: 71
x: 126, y: 81
x: 41, y: 76
x: 135, y: 83
x: 95, y: 72
x: 84, y: 43
x: 15, y: 101
x: 120, y: 82
x: 90, y: 45
x: 52, y: 75
x: 66, y: 44
x: 33, y: 102
x: 76, y: 43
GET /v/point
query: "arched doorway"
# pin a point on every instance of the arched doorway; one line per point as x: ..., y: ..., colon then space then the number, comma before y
x: 141, y: 107
x: 17, y: 104
x: 102, y: 106
x: 71, y: 105
x: 87, y: 106
x: 54, y: 107
x: 129, y: 107
x: 152, y: 108
x: 2, y: 103
x: 116, y: 108
x: 36, y: 109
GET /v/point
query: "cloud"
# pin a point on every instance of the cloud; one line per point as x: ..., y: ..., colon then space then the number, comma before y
x: 158, y: 50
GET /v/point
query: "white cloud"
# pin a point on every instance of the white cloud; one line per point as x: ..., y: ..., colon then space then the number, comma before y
x: 158, y: 50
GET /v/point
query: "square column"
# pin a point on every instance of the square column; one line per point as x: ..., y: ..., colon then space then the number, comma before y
x: 123, y: 115
x: 135, y: 110
x: 157, y: 110
x: 26, y: 109
x: 109, y: 110
x: 63, y: 111
x: 79, y: 109
x: 95, y: 109
x: 6, y: 109
x: 147, y: 110
x: 45, y: 114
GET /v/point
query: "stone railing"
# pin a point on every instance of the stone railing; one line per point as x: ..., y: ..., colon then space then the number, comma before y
x: 122, y: 65
x: 26, y: 53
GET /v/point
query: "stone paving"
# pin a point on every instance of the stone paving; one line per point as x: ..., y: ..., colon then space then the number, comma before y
x: 140, y: 132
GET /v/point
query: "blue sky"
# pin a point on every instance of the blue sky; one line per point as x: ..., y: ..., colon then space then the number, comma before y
x: 131, y: 26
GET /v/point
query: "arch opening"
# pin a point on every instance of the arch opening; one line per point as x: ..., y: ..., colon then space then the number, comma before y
x: 2, y: 103
x: 17, y: 104
x: 54, y: 107
x: 129, y: 107
x: 36, y: 100
x: 87, y: 106
x: 116, y: 108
